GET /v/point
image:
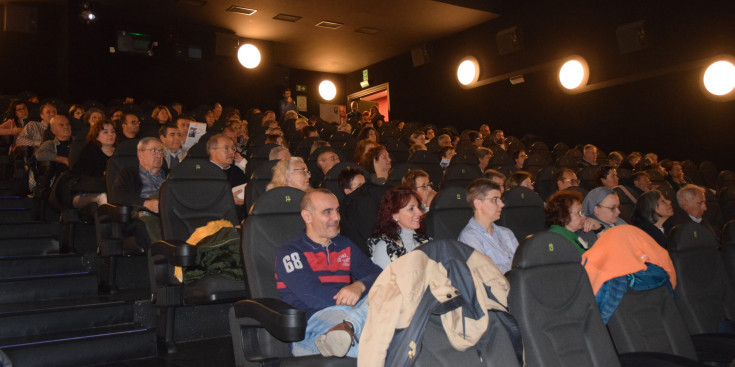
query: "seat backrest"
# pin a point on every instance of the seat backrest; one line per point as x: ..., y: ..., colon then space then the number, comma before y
x: 560, y: 149
x: 627, y: 206
x: 708, y: 171
x: 460, y: 175
x: 728, y: 257
x: 428, y: 162
x: 534, y: 163
x: 567, y: 161
x: 195, y: 193
x: 126, y: 155
x: 523, y: 212
x: 648, y: 321
x: 546, y: 181
x: 273, y: 221
x: 398, y: 171
x: 701, y: 277
x: 303, y: 150
x: 552, y: 300
x: 724, y: 179
x: 448, y: 214
x: 258, y: 181
x: 588, y: 177
x: 692, y: 171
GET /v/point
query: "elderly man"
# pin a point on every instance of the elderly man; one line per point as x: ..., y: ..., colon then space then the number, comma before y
x: 692, y: 205
x: 32, y: 133
x: 57, y: 150
x: 589, y: 156
x: 221, y: 150
x: 314, y: 272
x: 170, y: 136
x: 481, y: 233
x: 129, y: 127
x: 138, y: 187
x: 279, y: 153
x: 566, y: 178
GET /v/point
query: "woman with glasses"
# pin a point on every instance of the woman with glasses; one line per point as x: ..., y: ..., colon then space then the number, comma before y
x: 290, y: 172
x: 418, y: 180
x: 519, y: 158
x: 481, y: 232
x: 564, y: 216
x: 652, y: 211
x: 603, y: 205
x: 399, y: 228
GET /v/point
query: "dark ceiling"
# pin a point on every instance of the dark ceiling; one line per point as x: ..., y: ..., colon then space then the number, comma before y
x: 401, y: 25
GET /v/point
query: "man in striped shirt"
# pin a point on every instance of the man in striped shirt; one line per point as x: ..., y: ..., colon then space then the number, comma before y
x: 313, y: 273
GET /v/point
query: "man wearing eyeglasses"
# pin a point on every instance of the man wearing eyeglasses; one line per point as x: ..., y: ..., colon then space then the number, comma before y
x: 566, y: 178
x: 129, y: 127
x: 481, y: 233
x: 138, y: 187
x: 221, y: 150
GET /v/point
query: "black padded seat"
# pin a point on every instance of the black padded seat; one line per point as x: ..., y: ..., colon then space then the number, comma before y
x: 466, y: 156
x: 523, y: 212
x: 460, y: 175
x: 258, y: 182
x: 708, y: 171
x: 448, y: 213
x: 546, y: 181
x: 703, y: 294
x: 274, y: 220
x: 552, y: 300
x: 195, y: 193
x: 567, y: 161
x: 534, y: 164
x: 728, y: 250
x: 397, y: 172
x: 428, y: 162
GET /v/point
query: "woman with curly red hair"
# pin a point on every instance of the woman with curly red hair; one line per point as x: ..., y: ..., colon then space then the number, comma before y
x: 399, y: 228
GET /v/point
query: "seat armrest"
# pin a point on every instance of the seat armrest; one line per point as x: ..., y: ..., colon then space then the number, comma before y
x: 714, y: 347
x: 279, y: 318
x: 177, y: 253
x: 114, y: 213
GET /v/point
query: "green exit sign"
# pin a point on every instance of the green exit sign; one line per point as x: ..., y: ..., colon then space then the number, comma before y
x: 365, y: 75
x: 300, y: 88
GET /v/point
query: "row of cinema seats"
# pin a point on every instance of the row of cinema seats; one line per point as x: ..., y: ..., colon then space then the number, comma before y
x: 551, y: 299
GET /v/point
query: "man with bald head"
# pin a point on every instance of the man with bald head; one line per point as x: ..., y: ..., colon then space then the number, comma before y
x: 57, y: 150
x: 314, y: 272
x: 221, y: 150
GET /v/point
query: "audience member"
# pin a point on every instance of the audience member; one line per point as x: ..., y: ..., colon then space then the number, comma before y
x: 519, y: 178
x: 564, y: 216
x: 497, y: 177
x: 362, y: 147
x: 14, y: 119
x: 484, y: 155
x: 57, y: 150
x: 91, y: 117
x: 603, y: 205
x: 499, y: 139
x: 326, y: 160
x: 631, y: 161
x: 129, y: 127
x: 566, y: 178
x: 652, y: 211
x: 519, y: 158
x: 90, y: 171
x: 279, y: 153
x: 692, y: 205
x: 589, y: 156
x: 607, y: 176
x: 161, y: 115
x: 287, y: 103
x: 481, y: 233
x: 221, y: 151
x: 290, y: 172
x: 138, y: 187
x: 676, y: 176
x: 350, y: 179
x: 418, y: 180
x: 170, y: 136
x: 615, y: 159
x: 378, y: 163
x: 446, y: 154
x: 368, y: 133
x: 398, y: 229
x: 335, y: 307
x: 32, y: 133
x: 641, y: 184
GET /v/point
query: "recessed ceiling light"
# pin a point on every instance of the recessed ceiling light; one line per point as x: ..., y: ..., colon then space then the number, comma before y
x: 367, y: 30
x: 287, y: 18
x: 241, y: 10
x: 328, y: 24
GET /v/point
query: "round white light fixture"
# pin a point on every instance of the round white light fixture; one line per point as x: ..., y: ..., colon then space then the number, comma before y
x: 327, y: 90
x: 468, y: 71
x: 574, y: 73
x: 249, y: 56
x: 719, y: 78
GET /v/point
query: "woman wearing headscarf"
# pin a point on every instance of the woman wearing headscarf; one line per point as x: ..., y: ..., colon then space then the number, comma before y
x: 603, y: 205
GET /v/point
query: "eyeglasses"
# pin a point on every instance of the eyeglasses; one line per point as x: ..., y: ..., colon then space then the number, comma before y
x: 496, y: 200
x: 574, y: 182
x: 580, y: 213
x: 230, y: 148
x: 306, y: 171
x: 153, y: 150
x: 523, y: 156
x: 611, y: 208
x: 134, y: 122
x: 424, y: 187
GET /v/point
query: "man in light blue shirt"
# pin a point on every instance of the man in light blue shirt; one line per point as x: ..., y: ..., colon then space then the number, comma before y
x: 499, y: 243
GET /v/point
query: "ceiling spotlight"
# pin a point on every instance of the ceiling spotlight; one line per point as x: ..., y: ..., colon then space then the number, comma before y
x: 327, y: 90
x: 719, y: 78
x: 249, y: 56
x: 88, y: 14
x: 468, y: 71
x: 574, y: 73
